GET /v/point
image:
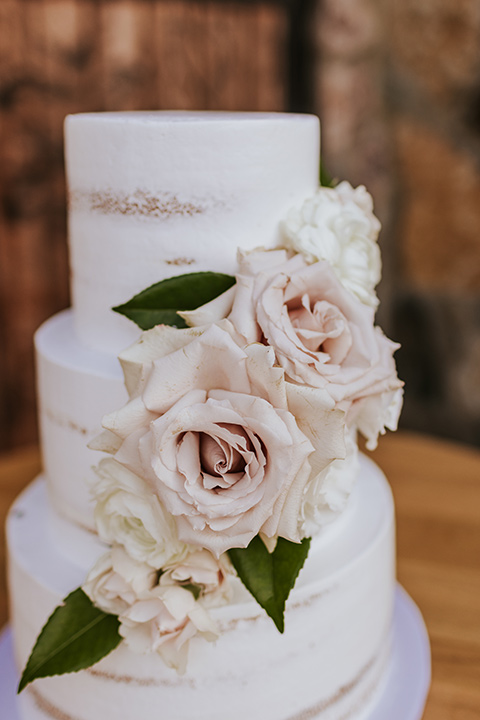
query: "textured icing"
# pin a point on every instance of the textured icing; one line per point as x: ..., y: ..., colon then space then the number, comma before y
x: 326, y: 665
x: 76, y: 387
x: 156, y: 194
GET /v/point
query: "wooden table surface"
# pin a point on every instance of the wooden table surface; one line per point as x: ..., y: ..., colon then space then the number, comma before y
x: 437, y: 493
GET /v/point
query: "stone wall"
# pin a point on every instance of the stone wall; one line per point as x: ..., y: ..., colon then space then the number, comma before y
x: 67, y: 56
x: 398, y: 89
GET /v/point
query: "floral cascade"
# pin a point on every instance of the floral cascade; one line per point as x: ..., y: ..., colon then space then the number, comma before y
x: 238, y: 442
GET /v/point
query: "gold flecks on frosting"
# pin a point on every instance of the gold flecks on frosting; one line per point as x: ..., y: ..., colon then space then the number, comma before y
x: 239, y: 622
x: 319, y: 708
x: 75, y: 521
x: 140, y: 203
x: 317, y: 711
x: 379, y: 660
x: 180, y: 261
x: 47, y: 708
x: 229, y: 625
x: 308, y: 601
x: 142, y: 682
x: 366, y: 697
x: 65, y: 422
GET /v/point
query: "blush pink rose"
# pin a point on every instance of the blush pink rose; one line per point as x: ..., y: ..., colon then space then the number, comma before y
x: 164, y: 622
x: 161, y: 614
x: 223, y: 441
x: 322, y: 335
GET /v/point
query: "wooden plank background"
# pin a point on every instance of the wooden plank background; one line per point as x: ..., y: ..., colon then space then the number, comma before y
x: 66, y: 56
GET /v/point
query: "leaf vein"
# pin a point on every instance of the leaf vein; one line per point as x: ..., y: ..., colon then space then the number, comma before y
x: 71, y: 639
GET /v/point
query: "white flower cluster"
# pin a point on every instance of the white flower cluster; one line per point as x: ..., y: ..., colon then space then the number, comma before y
x: 159, y: 588
x: 243, y: 424
x: 338, y: 225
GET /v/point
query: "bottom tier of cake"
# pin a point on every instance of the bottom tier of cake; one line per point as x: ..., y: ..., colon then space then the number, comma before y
x: 329, y: 663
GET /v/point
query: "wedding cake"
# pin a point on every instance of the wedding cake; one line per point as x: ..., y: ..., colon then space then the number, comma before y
x: 160, y: 553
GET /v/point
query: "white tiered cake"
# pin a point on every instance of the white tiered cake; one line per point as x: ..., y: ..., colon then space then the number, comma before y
x: 155, y: 195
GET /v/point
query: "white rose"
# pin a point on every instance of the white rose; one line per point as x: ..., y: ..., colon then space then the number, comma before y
x: 128, y: 514
x: 206, y: 575
x: 377, y: 413
x: 225, y: 443
x: 326, y: 496
x: 338, y: 225
x: 117, y: 581
x: 165, y: 622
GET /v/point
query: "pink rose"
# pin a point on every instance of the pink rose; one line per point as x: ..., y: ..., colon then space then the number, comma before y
x: 165, y: 622
x: 160, y: 614
x: 224, y: 442
x: 205, y: 573
x: 321, y: 334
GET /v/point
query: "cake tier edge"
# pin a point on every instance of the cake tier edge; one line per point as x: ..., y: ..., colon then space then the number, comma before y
x: 328, y: 664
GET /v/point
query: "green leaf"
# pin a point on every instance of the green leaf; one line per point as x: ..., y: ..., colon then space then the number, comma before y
x: 196, y: 590
x: 326, y: 179
x: 76, y: 636
x: 159, y: 303
x: 270, y: 576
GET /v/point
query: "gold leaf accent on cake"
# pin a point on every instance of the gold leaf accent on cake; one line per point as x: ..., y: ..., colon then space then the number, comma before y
x: 139, y: 203
x: 180, y: 261
x: 310, y: 599
x: 230, y: 625
x: 313, y: 713
x: 74, y: 521
x: 320, y: 707
x: 66, y: 423
x: 317, y: 710
x: 47, y: 708
x: 141, y: 682
x: 366, y: 697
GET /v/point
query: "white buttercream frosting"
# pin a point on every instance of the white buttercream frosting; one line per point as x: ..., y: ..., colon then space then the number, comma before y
x: 327, y: 664
x: 159, y: 194
x: 76, y: 387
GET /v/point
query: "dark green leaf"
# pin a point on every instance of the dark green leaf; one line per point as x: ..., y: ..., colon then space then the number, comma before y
x: 194, y: 589
x: 76, y: 636
x: 254, y: 565
x: 270, y: 576
x: 159, y: 303
x: 326, y: 179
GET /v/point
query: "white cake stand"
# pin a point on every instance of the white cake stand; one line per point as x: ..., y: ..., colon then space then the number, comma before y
x: 404, y: 691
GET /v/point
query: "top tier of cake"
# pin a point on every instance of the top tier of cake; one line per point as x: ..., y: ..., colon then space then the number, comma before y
x: 164, y: 193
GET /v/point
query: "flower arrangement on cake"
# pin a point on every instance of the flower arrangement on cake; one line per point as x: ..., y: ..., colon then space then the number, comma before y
x: 238, y: 442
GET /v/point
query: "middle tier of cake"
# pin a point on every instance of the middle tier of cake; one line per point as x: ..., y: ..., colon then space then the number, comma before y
x: 77, y: 386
